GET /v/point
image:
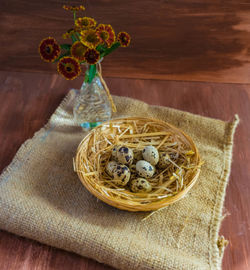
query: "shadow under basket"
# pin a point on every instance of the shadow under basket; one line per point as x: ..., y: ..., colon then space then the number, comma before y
x: 168, y: 185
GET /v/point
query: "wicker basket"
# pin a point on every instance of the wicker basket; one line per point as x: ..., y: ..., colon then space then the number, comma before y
x: 94, y: 152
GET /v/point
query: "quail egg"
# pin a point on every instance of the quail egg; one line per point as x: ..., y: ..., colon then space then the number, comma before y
x: 140, y: 185
x: 137, y: 155
x: 121, y: 175
x: 133, y: 171
x: 174, y: 156
x: 132, y: 168
x: 150, y: 154
x: 164, y: 159
x: 125, y: 155
x: 111, y: 167
x: 145, y: 169
x: 114, y: 153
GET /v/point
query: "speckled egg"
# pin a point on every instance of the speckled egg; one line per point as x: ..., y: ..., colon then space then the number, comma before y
x: 132, y: 168
x: 121, y: 175
x: 114, y: 153
x: 125, y: 155
x: 164, y: 159
x: 145, y: 169
x: 150, y: 154
x: 174, y: 156
x: 137, y: 155
x: 111, y: 167
x: 140, y: 185
x: 133, y: 171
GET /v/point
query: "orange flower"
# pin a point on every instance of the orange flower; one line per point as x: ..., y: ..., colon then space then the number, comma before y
x: 78, y: 50
x: 89, y: 38
x: 74, y: 8
x: 85, y: 22
x: 124, y: 39
x: 69, y: 68
x: 49, y: 49
x: 92, y: 56
x: 106, y: 34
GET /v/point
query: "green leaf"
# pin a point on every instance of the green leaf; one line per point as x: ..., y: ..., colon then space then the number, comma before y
x: 92, y: 72
x: 62, y: 55
x: 111, y: 49
x: 101, y: 48
x: 65, y: 46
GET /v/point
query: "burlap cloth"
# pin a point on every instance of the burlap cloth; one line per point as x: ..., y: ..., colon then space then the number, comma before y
x: 41, y: 198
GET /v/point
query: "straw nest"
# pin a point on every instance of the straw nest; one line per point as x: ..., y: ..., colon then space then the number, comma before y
x: 168, y: 185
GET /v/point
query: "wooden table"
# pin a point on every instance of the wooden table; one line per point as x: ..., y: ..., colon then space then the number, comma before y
x: 28, y: 99
x: 192, y: 55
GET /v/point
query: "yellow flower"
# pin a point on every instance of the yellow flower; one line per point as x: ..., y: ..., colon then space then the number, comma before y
x: 69, y: 68
x: 49, y: 49
x: 92, y: 56
x: 78, y: 50
x: 68, y: 34
x: 85, y: 22
x: 124, y: 39
x: 89, y: 38
x: 74, y: 8
x: 65, y: 35
x: 106, y: 34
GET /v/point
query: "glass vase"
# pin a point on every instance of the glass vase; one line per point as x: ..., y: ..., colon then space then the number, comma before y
x: 92, y: 106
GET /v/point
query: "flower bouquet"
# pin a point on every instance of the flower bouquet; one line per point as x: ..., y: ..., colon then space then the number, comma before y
x: 89, y: 44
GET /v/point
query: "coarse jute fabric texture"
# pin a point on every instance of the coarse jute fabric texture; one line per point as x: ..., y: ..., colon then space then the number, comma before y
x: 43, y: 199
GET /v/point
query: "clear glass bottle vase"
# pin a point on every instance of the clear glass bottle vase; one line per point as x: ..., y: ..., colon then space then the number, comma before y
x: 92, y: 105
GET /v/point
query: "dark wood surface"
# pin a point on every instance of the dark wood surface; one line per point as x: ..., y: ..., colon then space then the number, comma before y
x: 194, y: 40
x: 28, y: 99
x: 182, y: 40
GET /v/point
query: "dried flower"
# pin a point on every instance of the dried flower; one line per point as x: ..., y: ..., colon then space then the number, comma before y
x: 124, y: 39
x: 49, y: 49
x: 74, y: 8
x: 85, y: 22
x: 106, y: 34
x: 89, y: 38
x: 78, y: 50
x: 92, y: 56
x: 69, y: 67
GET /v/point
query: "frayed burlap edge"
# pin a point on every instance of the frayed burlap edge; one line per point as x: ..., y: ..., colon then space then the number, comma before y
x: 218, y: 243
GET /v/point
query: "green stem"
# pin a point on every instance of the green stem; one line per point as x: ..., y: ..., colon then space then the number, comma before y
x: 111, y: 49
x: 74, y: 13
x: 92, y: 73
x: 74, y: 38
x: 77, y: 35
x: 86, y: 78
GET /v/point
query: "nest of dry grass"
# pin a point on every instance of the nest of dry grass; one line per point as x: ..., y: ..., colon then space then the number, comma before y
x: 168, y: 185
